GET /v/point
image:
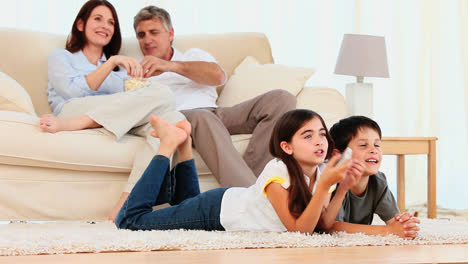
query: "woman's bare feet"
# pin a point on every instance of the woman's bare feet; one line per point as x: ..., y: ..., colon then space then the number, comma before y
x: 52, y: 124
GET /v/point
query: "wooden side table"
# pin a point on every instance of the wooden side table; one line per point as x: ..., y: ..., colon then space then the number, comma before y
x: 402, y: 146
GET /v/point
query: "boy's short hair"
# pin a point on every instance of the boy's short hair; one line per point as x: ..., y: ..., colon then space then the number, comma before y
x: 347, y: 128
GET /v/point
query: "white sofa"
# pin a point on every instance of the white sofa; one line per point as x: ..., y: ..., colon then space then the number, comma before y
x: 80, y: 175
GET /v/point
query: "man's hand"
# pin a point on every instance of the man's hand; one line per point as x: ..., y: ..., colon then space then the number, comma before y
x: 153, y: 66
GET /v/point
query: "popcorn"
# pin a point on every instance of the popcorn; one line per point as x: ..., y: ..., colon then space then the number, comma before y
x: 134, y: 83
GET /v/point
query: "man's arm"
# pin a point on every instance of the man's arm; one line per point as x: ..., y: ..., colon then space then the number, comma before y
x: 202, y: 72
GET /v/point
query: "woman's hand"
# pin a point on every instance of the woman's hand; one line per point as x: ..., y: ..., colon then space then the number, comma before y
x: 131, y: 65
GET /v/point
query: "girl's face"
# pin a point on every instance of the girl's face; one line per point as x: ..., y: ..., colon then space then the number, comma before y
x: 309, y: 144
x: 99, y: 27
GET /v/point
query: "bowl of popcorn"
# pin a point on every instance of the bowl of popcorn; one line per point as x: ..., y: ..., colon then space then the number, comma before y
x: 134, y: 83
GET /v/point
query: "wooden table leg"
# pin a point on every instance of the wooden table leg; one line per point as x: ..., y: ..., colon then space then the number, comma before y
x: 431, y: 181
x: 401, y: 182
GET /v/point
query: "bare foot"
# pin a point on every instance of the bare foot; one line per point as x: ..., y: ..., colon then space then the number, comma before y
x: 50, y: 123
x: 170, y: 135
x: 185, y: 125
x: 185, y: 149
x: 118, y: 206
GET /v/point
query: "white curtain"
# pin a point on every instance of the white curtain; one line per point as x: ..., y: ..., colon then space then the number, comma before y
x: 426, y: 94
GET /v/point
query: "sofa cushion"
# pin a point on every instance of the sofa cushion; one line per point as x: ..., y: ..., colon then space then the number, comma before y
x: 251, y: 79
x: 13, y: 97
x: 23, y: 143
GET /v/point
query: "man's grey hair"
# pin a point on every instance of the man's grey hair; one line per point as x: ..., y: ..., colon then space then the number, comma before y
x: 153, y: 12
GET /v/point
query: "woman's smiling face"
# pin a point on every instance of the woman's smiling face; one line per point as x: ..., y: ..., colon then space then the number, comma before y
x: 99, y: 27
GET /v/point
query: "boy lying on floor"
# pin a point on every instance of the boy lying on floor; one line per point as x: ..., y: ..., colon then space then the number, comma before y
x: 358, y: 198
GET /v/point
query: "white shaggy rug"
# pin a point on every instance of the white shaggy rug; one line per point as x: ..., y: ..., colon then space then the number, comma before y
x: 77, y: 237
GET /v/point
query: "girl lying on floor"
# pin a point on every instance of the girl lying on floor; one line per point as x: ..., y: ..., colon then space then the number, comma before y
x: 289, y: 195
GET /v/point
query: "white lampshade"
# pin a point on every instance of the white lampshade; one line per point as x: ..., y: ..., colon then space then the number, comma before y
x: 362, y: 56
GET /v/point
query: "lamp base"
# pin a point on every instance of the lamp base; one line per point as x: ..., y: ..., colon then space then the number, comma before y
x: 360, y: 99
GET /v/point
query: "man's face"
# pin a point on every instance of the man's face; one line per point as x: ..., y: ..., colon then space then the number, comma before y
x: 154, y: 39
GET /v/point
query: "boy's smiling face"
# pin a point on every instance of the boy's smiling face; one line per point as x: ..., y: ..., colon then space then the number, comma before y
x: 366, y: 149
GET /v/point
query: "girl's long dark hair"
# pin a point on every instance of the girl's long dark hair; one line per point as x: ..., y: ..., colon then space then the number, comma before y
x: 77, y: 39
x: 284, y: 130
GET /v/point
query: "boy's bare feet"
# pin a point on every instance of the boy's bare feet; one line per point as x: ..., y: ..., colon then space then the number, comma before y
x: 52, y: 124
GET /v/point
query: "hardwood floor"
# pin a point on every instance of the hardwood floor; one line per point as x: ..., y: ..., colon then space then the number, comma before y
x: 454, y: 253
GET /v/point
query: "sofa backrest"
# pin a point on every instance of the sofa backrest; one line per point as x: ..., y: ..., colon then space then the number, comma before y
x: 23, y: 55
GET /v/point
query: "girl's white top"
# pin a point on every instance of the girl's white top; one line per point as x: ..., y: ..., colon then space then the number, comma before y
x: 249, y: 208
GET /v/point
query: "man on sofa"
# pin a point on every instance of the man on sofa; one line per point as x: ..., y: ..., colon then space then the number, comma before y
x: 193, y: 76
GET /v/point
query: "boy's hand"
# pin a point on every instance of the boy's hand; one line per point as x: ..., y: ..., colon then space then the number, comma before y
x: 405, y: 226
x: 403, y: 217
x: 353, y: 175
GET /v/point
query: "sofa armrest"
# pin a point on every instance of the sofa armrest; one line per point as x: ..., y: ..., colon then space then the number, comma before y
x: 328, y: 102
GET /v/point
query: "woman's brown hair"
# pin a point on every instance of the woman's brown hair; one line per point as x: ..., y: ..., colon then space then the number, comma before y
x: 284, y: 130
x: 77, y: 40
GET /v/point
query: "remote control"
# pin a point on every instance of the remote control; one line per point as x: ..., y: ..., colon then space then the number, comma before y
x: 345, y: 156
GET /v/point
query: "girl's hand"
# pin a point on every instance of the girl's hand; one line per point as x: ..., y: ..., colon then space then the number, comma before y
x: 131, y: 65
x: 331, y: 174
x: 353, y: 175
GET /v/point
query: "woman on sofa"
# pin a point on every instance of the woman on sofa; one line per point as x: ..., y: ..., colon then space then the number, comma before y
x: 89, y: 66
x: 86, y: 86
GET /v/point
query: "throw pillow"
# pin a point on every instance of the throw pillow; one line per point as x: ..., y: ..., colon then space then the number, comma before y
x: 251, y: 79
x: 13, y: 97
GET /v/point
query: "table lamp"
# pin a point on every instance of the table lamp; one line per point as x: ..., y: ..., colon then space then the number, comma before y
x: 361, y: 56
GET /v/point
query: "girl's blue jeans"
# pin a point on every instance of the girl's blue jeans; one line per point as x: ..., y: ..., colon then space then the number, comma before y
x: 180, y: 188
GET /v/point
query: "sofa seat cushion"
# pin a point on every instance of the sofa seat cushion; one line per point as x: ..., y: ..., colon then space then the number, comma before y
x: 23, y: 143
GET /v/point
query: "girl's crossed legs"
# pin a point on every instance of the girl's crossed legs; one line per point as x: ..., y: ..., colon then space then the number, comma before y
x: 179, y: 187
